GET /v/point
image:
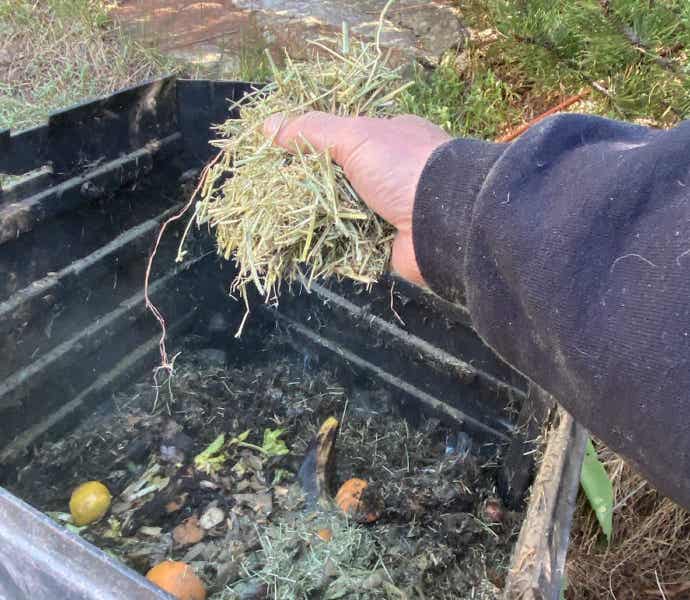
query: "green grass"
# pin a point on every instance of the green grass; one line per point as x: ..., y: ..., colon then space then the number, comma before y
x: 66, y: 51
x: 62, y: 52
x: 546, y: 50
x: 478, y: 107
x: 436, y: 95
x: 634, y: 50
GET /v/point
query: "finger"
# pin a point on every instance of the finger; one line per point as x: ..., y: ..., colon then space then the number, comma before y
x: 319, y: 130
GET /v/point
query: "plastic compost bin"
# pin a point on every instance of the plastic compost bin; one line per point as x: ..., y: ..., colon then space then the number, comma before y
x: 96, y: 181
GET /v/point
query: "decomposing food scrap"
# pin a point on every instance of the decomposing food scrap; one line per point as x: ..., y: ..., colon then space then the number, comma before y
x: 318, y: 471
x: 178, y: 579
x: 89, y: 503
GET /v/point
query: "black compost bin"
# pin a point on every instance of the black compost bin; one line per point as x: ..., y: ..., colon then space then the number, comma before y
x: 89, y: 191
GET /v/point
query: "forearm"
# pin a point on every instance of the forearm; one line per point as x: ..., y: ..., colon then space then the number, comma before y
x: 568, y: 246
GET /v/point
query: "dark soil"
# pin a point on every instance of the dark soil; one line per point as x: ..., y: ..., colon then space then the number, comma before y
x: 435, y: 538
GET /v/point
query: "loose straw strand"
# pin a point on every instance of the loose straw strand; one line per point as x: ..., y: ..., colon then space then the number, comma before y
x: 167, y: 365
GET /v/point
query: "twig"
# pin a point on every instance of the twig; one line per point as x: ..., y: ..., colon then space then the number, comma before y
x: 658, y: 583
x: 641, y: 485
x: 518, y: 131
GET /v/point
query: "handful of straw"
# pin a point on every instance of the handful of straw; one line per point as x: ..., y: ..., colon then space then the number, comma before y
x: 294, y: 217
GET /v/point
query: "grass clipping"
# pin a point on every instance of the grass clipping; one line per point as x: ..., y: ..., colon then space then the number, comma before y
x: 284, y: 217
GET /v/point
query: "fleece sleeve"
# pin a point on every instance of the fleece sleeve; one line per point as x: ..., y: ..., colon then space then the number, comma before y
x: 571, y: 249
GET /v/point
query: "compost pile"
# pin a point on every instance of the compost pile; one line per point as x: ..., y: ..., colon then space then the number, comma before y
x: 294, y: 217
x: 218, y: 482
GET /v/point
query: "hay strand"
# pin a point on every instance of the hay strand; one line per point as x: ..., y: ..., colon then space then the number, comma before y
x: 285, y: 218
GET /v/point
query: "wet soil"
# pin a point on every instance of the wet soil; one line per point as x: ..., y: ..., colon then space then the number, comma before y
x: 241, y: 517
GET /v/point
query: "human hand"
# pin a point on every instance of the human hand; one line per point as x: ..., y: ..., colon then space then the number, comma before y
x: 382, y: 158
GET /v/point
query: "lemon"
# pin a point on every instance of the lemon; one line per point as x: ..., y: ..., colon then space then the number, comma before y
x: 89, y: 502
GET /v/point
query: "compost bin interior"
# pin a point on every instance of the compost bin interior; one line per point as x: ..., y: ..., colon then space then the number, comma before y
x: 442, y: 429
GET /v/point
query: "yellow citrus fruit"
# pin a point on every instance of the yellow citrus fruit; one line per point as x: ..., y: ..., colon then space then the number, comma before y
x: 178, y: 579
x: 89, y: 502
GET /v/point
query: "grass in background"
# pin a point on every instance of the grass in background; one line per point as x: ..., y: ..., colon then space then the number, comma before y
x: 634, y: 50
x: 54, y: 53
x: 253, y: 64
x: 525, y: 56
x: 478, y: 106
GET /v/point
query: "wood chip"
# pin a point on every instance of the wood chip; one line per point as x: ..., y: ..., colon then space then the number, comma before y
x: 211, y: 518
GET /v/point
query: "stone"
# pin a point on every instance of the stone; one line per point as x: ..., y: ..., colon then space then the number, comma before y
x: 211, y: 518
x: 420, y: 29
x: 209, y: 33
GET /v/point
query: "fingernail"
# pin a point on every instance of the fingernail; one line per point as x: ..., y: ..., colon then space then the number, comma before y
x: 273, y: 124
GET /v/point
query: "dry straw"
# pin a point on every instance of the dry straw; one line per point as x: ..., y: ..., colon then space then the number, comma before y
x: 649, y: 556
x: 294, y: 217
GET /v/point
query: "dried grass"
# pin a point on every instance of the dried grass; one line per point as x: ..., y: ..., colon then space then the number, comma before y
x: 286, y: 218
x: 649, y: 556
x: 297, y: 564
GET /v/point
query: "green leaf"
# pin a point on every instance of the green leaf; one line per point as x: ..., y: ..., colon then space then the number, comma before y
x: 240, y: 438
x: 280, y: 475
x: 273, y: 446
x: 597, y: 487
x: 211, y: 459
x: 213, y: 448
x: 564, y: 587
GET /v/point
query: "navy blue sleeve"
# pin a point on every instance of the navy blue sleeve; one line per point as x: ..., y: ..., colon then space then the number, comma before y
x: 571, y: 249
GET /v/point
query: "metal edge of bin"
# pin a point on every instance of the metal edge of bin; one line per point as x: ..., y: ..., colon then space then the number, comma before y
x: 39, y: 559
x: 204, y: 103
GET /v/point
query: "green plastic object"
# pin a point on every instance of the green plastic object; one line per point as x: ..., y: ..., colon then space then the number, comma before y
x: 597, y: 487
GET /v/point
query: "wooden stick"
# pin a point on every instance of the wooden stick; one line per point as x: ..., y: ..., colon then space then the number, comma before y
x: 518, y: 131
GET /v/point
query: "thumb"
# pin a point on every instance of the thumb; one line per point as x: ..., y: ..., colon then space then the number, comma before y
x: 319, y: 130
